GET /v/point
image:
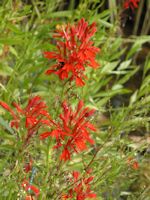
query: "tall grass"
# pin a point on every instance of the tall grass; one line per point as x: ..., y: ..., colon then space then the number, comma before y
x: 119, y: 90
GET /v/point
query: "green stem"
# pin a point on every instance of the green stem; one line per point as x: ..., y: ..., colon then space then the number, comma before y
x: 146, y: 23
x: 138, y: 16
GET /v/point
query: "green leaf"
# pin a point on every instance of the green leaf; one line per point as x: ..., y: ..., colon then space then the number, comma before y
x: 124, y: 65
x: 108, y: 67
x: 111, y: 93
x: 12, y: 40
x: 5, y: 70
x: 137, y: 45
x: 65, y: 13
x: 6, y: 125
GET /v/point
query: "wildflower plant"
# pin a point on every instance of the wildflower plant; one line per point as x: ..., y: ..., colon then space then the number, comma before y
x: 72, y: 130
x: 63, y: 135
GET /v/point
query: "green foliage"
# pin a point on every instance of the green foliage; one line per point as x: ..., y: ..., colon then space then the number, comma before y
x: 122, y: 102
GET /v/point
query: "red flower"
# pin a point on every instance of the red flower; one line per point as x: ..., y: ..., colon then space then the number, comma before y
x: 134, y: 164
x: 81, y: 188
x: 74, y: 51
x: 34, y: 113
x: 72, y: 132
x: 28, y: 166
x: 29, y: 197
x: 27, y: 187
x: 131, y: 4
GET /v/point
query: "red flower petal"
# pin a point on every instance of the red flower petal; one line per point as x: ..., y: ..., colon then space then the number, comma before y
x: 35, y: 190
x: 135, y: 165
x: 30, y: 121
x: 18, y: 108
x: 76, y: 175
x: 45, y: 135
x: 79, y: 82
x: 6, y: 107
x: 29, y: 197
x: 90, y: 126
x: 92, y: 195
x: 65, y: 155
x: 131, y: 4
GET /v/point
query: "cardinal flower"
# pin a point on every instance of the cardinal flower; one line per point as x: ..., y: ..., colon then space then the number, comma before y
x: 72, y: 133
x: 28, y: 187
x: 81, y: 187
x: 133, y: 163
x: 131, y: 4
x: 74, y: 51
x: 28, y: 167
x: 31, y: 117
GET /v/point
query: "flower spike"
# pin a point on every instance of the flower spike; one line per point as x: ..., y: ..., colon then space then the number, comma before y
x: 74, y: 51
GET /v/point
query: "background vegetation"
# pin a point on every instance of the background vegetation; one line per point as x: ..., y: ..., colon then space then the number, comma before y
x: 119, y: 90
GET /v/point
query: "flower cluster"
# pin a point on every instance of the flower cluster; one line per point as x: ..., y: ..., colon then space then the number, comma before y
x: 131, y: 4
x: 74, y: 51
x: 81, y: 187
x: 133, y: 163
x: 72, y: 132
x: 34, y: 114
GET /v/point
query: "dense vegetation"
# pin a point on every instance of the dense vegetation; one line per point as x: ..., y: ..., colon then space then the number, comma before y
x: 113, y: 162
